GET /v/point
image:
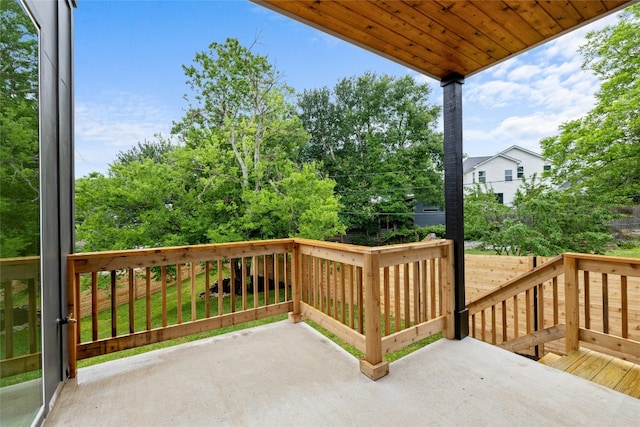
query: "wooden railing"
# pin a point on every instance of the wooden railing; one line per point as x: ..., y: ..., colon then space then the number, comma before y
x: 378, y: 299
x: 129, y: 282
x: 578, y: 298
x: 20, y: 278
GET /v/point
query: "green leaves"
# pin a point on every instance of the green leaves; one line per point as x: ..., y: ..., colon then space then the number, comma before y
x: 375, y: 135
x: 600, y: 153
x: 232, y: 177
x: 543, y: 221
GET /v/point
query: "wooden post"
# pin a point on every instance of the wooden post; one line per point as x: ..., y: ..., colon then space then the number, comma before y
x: 372, y: 365
x: 454, y: 192
x: 296, y: 283
x: 572, y: 304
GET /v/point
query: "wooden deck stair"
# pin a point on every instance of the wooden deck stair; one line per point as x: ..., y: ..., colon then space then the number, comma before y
x: 616, y: 374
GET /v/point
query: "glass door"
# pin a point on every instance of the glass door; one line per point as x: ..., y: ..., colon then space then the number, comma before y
x: 21, y: 389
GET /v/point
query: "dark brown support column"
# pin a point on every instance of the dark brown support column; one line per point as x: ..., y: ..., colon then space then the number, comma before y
x: 453, y: 192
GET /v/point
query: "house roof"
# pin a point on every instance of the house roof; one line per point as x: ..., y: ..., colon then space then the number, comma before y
x: 473, y: 162
x: 524, y: 150
x: 441, y: 38
x: 466, y: 168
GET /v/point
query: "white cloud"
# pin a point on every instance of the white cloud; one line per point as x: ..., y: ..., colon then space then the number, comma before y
x: 113, y: 122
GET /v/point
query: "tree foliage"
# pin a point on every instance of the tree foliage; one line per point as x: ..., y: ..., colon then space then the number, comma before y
x: 19, y: 141
x: 543, y: 221
x: 232, y: 176
x: 376, y: 136
x: 600, y: 153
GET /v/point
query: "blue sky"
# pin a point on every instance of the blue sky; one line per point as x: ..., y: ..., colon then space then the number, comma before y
x: 129, y: 83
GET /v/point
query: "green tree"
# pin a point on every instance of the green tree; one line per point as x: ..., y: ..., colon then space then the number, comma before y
x: 245, y: 137
x: 232, y: 177
x: 600, y: 153
x: 19, y: 142
x: 376, y: 136
x: 483, y: 214
x: 543, y: 221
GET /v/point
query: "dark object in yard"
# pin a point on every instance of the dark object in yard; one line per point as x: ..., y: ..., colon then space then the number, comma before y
x: 237, y: 288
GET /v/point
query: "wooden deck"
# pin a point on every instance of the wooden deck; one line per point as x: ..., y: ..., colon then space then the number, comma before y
x: 608, y: 371
x: 286, y: 374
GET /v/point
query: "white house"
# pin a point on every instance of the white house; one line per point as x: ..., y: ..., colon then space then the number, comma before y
x: 504, y: 171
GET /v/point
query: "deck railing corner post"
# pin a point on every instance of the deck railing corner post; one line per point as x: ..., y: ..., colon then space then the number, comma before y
x: 296, y: 274
x: 372, y: 366
x: 572, y: 303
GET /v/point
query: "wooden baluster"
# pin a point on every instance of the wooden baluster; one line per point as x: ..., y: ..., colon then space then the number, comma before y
x: 424, y: 294
x: 221, y: 288
x: 94, y: 306
x: 351, y: 296
x: 266, y: 279
x: 624, y: 306
x: 360, y: 299
x: 433, y: 292
x: 244, y: 283
x: 587, y: 300
x: 114, y: 312
x: 132, y: 301
x: 343, y: 295
x: 179, y: 293
x: 555, y: 301
x: 276, y: 279
x: 147, y: 293
x: 254, y: 280
x: 163, y: 278
x: 232, y: 264
x: 528, y: 311
x: 8, y: 318
x: 483, y: 324
x: 335, y: 290
x: 396, y: 296
x: 504, y: 321
x: 387, y: 300
x: 605, y: 303
x: 207, y: 286
x: 407, y: 297
x: 516, y: 324
x: 415, y: 285
x: 194, y: 292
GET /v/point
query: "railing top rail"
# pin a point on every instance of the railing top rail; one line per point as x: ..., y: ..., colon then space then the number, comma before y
x: 375, y: 249
x: 346, y: 247
x: 176, y: 249
x: 403, y: 247
x: 603, y: 258
x: 137, y: 258
x: 19, y: 268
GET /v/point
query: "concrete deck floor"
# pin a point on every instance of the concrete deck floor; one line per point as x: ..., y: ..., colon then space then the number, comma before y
x: 286, y: 374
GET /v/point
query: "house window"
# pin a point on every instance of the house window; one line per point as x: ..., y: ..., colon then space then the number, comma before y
x: 474, y: 177
x: 500, y: 198
x: 482, y: 176
x: 520, y: 172
x: 508, y: 175
x: 546, y: 168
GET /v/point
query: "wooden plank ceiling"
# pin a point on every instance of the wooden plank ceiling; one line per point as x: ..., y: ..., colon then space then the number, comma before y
x: 438, y: 38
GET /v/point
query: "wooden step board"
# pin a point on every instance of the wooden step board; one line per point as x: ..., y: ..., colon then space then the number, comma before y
x: 608, y: 371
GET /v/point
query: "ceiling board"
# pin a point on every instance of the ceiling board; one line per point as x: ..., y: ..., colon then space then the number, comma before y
x: 439, y: 38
